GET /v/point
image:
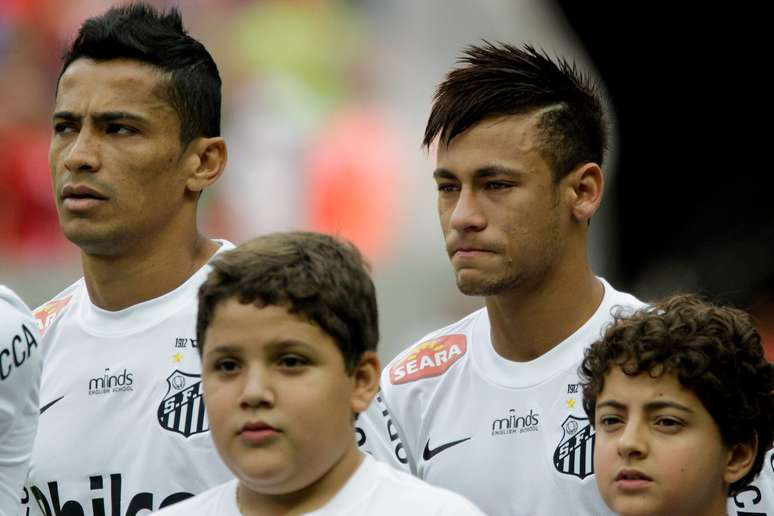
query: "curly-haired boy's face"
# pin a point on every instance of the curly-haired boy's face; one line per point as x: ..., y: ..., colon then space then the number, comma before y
x: 659, y: 451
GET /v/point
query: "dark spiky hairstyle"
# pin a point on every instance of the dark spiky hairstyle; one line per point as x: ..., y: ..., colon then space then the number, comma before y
x: 714, y: 351
x: 500, y: 79
x: 140, y: 32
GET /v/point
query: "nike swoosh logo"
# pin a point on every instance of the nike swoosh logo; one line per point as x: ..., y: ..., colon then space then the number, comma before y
x: 48, y: 405
x: 429, y: 454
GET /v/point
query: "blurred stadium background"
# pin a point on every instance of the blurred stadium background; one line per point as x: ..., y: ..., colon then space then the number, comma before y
x: 324, y: 108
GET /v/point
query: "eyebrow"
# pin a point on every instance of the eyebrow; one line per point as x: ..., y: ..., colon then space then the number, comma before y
x: 277, y: 345
x: 480, y: 173
x: 104, y: 117
x: 649, y: 407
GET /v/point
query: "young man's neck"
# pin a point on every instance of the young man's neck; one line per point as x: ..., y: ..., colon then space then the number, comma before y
x: 119, y: 281
x: 307, y: 499
x: 529, y: 322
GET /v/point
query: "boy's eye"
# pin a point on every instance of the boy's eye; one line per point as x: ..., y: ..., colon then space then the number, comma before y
x: 609, y: 421
x: 226, y: 365
x: 669, y: 423
x: 292, y: 361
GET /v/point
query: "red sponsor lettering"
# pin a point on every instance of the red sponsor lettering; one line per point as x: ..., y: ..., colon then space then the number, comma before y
x: 47, y: 313
x: 429, y: 358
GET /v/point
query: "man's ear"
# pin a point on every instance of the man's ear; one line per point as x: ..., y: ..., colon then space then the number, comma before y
x: 366, y: 381
x: 208, y: 159
x: 740, y: 459
x: 585, y: 187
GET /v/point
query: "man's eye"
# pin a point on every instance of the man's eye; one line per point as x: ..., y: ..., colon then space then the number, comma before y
x: 447, y: 187
x: 63, y: 128
x: 120, y: 129
x: 496, y: 185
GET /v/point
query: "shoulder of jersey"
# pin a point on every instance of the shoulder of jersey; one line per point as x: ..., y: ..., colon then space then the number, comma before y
x: 432, y: 356
x: 48, y: 312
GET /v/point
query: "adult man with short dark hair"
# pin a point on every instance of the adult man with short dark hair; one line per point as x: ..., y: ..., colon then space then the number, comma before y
x: 136, y: 139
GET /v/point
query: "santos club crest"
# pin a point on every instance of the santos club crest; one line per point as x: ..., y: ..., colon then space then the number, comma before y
x: 182, y: 409
x: 574, y: 455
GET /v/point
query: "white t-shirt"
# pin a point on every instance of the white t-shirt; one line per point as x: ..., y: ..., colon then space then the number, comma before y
x: 20, y: 368
x: 511, y: 436
x: 122, y: 423
x: 375, y: 489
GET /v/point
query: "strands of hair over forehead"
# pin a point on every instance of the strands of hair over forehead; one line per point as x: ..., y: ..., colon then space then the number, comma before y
x: 316, y: 276
x: 500, y: 79
x: 139, y: 32
x: 713, y: 351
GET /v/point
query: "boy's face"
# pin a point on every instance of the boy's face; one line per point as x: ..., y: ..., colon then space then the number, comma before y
x: 279, y: 399
x: 658, y: 450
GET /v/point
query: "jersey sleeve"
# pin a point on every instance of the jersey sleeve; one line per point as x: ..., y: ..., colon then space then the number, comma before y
x: 377, y: 435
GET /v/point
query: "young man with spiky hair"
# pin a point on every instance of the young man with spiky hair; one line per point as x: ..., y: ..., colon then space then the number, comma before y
x: 135, y: 141
x: 490, y: 406
x: 682, y: 400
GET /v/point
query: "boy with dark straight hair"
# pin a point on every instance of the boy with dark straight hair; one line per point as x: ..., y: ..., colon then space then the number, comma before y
x: 682, y: 399
x: 288, y: 329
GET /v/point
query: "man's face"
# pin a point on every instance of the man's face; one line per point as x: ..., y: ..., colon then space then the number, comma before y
x: 499, y: 206
x: 279, y: 399
x: 115, y: 156
x: 657, y: 451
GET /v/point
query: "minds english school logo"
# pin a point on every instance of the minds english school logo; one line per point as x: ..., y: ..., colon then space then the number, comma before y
x: 515, y: 424
x: 574, y: 455
x: 182, y: 409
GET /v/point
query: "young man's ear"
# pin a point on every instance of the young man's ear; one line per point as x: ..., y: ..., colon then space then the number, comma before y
x: 208, y: 159
x: 366, y: 381
x: 585, y: 189
x: 740, y: 459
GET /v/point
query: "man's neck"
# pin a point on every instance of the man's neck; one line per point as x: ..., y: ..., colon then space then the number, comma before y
x: 527, y: 323
x: 120, y: 281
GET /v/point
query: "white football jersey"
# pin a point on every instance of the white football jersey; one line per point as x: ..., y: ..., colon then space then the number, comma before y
x: 512, y: 437
x: 375, y: 489
x: 122, y: 426
x: 20, y: 369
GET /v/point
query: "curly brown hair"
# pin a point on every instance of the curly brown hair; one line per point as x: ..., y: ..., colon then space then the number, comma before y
x: 714, y: 351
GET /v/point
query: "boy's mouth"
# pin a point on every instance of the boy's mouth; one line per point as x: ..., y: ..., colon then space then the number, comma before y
x: 257, y: 432
x: 632, y: 474
x: 632, y: 480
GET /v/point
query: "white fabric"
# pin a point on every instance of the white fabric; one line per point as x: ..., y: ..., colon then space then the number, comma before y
x: 375, y: 489
x: 20, y: 369
x: 525, y: 442
x: 123, y: 426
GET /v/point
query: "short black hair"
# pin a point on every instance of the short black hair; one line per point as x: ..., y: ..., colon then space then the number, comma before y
x: 322, y: 278
x: 140, y: 32
x: 500, y: 80
x: 714, y: 351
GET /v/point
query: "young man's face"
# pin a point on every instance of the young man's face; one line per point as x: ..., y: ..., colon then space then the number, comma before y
x: 499, y: 207
x: 279, y: 399
x: 658, y: 450
x: 117, y: 168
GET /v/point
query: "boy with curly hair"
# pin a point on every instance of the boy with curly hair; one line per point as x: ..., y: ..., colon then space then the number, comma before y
x: 682, y: 400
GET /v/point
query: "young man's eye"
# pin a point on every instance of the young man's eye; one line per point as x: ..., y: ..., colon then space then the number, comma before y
x: 447, y: 187
x: 497, y: 185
